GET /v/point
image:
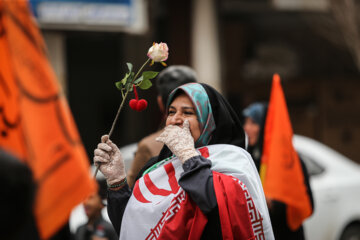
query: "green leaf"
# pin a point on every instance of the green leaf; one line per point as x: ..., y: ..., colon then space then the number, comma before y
x: 124, y: 80
x: 131, y: 77
x: 149, y: 75
x: 118, y: 85
x: 138, y: 80
x: 130, y: 67
x: 129, y: 87
x: 145, y: 84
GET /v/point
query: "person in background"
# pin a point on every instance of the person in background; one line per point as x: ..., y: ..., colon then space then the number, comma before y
x: 254, y: 124
x: 17, y: 197
x: 168, y: 79
x: 97, y: 228
x: 203, y: 184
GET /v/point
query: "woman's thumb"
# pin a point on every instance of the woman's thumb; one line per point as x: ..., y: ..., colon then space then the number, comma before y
x: 186, y: 124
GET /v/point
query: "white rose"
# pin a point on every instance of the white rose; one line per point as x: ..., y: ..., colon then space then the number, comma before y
x: 159, y: 52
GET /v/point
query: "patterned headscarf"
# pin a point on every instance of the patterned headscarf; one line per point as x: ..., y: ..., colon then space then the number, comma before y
x: 200, y: 99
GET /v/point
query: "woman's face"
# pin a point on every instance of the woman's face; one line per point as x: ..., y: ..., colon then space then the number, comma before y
x: 252, y: 129
x: 182, y: 109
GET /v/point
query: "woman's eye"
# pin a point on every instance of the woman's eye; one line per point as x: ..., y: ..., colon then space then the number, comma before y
x: 171, y: 112
x: 189, y: 113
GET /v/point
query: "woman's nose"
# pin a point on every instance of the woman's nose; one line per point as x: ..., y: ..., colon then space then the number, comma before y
x: 177, y: 119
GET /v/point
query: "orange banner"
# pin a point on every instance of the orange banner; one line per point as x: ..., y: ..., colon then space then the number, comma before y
x: 35, y: 121
x: 280, y: 169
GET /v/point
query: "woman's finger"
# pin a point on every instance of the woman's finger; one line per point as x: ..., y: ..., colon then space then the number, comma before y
x: 105, y: 147
x: 101, y: 153
x: 160, y: 139
x: 112, y: 146
x: 186, y: 124
x: 99, y: 160
x: 104, y: 138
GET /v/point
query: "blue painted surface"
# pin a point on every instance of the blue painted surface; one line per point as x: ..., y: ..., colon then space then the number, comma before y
x: 35, y: 3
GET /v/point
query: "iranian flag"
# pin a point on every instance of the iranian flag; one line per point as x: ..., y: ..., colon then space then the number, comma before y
x: 160, y: 209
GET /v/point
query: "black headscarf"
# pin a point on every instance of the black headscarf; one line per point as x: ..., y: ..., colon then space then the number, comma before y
x: 228, y: 126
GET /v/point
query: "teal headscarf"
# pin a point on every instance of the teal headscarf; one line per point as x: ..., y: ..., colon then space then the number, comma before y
x: 200, y: 99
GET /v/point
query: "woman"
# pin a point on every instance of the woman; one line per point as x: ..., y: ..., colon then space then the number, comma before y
x: 203, y: 184
x: 254, y: 123
x: 167, y: 80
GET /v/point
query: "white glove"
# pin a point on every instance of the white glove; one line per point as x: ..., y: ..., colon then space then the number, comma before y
x: 109, y: 157
x: 179, y: 141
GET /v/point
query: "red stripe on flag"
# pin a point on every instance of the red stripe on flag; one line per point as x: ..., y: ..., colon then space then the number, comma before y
x: 170, y: 171
x: 233, y: 208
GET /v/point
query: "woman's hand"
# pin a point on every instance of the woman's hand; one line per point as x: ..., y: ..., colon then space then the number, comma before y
x: 179, y: 141
x: 108, y: 155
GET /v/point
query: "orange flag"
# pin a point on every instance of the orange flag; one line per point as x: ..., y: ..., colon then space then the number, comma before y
x: 35, y: 121
x: 280, y: 169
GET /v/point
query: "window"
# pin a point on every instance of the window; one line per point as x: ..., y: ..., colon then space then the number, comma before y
x: 312, y: 167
